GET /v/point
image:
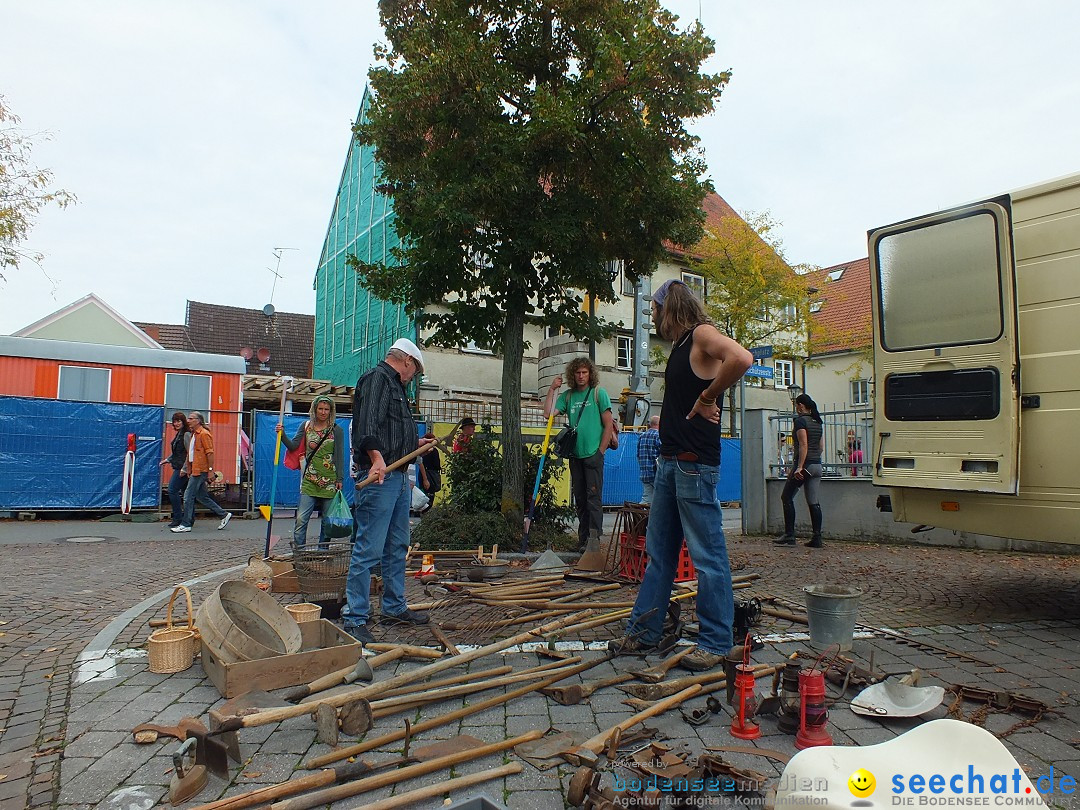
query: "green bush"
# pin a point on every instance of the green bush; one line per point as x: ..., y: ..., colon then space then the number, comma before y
x: 471, y: 514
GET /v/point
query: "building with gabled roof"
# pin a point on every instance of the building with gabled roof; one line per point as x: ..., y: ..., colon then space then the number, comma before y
x: 89, y: 320
x: 840, y: 365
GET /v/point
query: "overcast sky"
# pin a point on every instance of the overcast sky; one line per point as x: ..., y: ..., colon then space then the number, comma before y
x: 199, y: 136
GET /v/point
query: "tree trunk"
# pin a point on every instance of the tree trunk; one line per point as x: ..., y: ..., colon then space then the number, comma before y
x: 513, y: 347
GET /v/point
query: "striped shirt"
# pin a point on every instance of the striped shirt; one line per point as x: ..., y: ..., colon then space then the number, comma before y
x: 381, y: 417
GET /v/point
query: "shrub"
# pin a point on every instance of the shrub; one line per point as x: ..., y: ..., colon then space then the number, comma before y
x: 471, y: 515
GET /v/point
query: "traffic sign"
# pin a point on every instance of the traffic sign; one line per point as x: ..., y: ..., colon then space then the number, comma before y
x: 761, y: 352
x: 764, y: 372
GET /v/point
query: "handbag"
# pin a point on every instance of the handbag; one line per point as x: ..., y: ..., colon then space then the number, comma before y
x: 292, y: 458
x: 566, y: 439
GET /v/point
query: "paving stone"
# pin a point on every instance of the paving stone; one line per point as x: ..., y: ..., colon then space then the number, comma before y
x: 95, y: 743
x: 272, y: 767
x: 489, y: 734
x: 292, y: 741
x: 519, y: 725
x: 1044, y: 746
x: 536, y: 800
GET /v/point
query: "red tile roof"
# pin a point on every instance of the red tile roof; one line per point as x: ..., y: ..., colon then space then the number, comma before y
x: 716, y: 210
x: 843, y: 322
x: 289, y: 337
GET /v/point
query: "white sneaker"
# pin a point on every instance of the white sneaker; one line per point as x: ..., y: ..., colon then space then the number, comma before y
x: 180, y: 528
x: 225, y: 521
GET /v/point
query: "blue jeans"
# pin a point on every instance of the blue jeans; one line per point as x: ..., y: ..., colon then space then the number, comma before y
x: 381, y: 512
x: 647, y: 491
x: 177, y: 484
x: 307, y: 505
x: 685, y: 505
x: 196, y: 491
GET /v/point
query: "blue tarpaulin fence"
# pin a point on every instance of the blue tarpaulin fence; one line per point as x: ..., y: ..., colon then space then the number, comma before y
x: 622, y: 475
x: 288, y: 481
x: 622, y: 481
x: 56, y: 454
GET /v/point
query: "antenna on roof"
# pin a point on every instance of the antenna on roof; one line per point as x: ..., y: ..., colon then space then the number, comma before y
x: 276, y: 271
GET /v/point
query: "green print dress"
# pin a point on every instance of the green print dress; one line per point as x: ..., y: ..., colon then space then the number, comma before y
x: 320, y: 478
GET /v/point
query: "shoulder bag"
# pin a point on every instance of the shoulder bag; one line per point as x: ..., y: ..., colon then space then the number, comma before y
x: 566, y: 439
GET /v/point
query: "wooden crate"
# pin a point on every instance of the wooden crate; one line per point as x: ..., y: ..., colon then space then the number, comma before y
x: 324, y: 649
x: 284, y: 580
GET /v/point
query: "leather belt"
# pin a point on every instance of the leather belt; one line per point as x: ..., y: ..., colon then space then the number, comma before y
x: 681, y: 457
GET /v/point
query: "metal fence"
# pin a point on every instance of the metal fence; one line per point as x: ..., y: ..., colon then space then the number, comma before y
x: 848, y: 442
x: 483, y: 413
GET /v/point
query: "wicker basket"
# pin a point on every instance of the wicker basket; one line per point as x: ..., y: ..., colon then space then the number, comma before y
x: 322, y: 570
x: 172, y: 649
x: 304, y: 612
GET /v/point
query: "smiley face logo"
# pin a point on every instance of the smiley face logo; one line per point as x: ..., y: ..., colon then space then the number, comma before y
x: 861, y: 783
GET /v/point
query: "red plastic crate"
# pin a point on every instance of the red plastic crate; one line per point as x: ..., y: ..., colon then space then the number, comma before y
x: 633, y: 559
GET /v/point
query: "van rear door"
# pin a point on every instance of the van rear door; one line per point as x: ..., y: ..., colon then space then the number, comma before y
x: 946, y: 360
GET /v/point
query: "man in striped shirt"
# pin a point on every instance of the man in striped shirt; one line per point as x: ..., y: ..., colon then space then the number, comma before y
x: 383, y: 431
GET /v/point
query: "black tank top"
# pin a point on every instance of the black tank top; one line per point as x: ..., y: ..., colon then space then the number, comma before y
x: 682, y: 387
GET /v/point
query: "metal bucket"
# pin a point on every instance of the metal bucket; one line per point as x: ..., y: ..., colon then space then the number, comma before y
x: 831, y: 610
x: 239, y: 622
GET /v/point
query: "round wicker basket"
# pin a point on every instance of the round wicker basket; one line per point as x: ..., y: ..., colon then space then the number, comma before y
x: 304, y: 612
x: 172, y: 649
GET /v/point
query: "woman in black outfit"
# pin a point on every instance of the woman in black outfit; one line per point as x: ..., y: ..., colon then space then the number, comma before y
x: 806, y: 469
x: 178, y: 453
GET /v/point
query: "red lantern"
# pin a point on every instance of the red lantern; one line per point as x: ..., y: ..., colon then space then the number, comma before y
x: 813, y: 713
x: 742, y: 724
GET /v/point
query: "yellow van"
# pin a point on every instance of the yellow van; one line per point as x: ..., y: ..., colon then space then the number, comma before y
x: 976, y: 316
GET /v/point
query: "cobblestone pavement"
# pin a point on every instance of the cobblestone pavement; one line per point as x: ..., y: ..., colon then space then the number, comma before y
x: 65, y: 723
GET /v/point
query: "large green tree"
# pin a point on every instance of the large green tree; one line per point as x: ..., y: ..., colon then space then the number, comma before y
x: 526, y: 144
x: 24, y: 190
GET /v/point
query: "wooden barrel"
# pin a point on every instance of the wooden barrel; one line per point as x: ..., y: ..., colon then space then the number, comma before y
x: 239, y: 622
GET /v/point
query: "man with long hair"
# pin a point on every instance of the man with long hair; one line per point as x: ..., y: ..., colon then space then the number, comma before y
x: 588, y: 409
x: 702, y: 365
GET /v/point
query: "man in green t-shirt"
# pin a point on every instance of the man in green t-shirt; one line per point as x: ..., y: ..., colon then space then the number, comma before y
x: 588, y: 409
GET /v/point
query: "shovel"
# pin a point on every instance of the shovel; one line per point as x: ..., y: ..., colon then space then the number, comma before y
x: 188, y: 777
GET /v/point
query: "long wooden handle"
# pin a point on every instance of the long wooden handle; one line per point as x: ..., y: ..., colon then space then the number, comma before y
x: 368, y: 692
x: 596, y: 743
x: 441, y: 720
x: 411, y: 651
x: 332, y: 679
x: 419, y: 451
x: 436, y: 695
x: 413, y: 797
x: 337, y: 792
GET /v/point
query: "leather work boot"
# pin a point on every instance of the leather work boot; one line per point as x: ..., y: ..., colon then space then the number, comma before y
x: 815, y: 542
x: 699, y: 661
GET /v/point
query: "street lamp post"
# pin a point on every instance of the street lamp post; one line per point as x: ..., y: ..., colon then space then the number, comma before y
x: 793, y: 392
